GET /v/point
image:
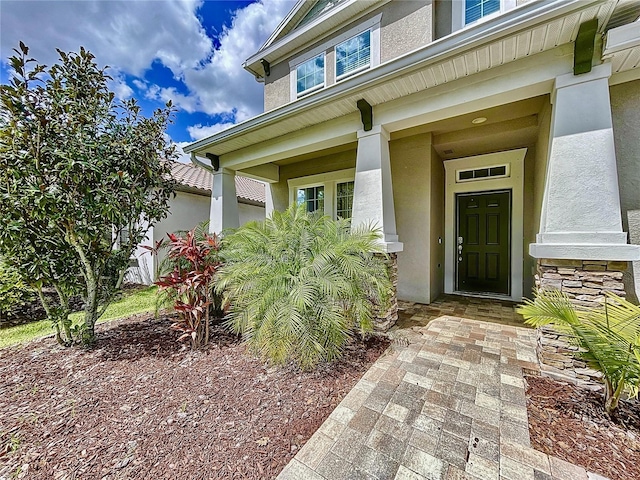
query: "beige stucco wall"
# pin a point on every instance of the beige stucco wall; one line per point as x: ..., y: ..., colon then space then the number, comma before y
x: 411, y: 178
x: 277, y: 86
x: 625, y: 109
x: 248, y: 213
x: 436, y: 236
x: 405, y: 25
x: 535, y: 171
x: 314, y: 166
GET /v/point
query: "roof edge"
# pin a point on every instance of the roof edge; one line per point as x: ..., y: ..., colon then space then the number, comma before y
x: 521, y: 17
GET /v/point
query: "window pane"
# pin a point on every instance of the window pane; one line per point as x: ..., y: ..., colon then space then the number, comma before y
x: 312, y: 197
x: 344, y: 199
x: 310, y: 74
x: 353, y: 54
x: 476, y: 9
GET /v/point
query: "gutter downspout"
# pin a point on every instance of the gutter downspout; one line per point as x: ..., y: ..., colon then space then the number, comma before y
x: 200, y: 163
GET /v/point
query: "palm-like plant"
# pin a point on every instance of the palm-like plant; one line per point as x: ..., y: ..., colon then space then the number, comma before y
x: 299, y: 285
x: 608, y: 337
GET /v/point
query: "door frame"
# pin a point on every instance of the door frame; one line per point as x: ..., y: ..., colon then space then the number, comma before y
x: 457, y: 229
x: 514, y: 181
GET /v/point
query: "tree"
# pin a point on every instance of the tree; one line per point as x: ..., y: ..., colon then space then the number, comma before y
x: 77, y: 168
x: 608, y: 337
x: 299, y: 285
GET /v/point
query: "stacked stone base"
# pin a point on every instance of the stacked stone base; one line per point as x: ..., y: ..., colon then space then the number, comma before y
x: 586, y: 283
x: 386, y: 319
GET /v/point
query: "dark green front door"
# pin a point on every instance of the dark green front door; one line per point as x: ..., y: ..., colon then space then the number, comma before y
x: 483, y: 242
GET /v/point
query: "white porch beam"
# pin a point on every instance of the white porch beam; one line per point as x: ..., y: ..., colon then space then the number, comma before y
x: 268, y: 172
x: 581, y: 217
x: 224, y: 202
x: 373, y: 191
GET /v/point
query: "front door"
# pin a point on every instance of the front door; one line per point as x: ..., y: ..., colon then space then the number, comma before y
x: 483, y: 242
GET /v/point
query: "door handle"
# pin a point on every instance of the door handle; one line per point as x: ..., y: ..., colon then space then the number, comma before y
x: 460, y: 242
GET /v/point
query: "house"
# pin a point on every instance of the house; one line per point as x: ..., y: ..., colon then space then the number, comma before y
x: 190, y: 206
x: 493, y: 142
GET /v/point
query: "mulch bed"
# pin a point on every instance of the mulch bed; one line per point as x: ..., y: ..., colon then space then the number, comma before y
x: 570, y: 423
x: 138, y: 406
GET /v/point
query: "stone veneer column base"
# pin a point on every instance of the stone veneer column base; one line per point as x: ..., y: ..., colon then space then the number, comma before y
x: 585, y: 282
x: 387, y: 319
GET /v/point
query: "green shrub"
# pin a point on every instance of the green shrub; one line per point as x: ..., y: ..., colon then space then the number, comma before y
x: 608, y: 337
x: 299, y: 285
x: 13, y: 290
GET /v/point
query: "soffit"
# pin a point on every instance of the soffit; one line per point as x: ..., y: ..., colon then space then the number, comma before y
x: 412, y: 78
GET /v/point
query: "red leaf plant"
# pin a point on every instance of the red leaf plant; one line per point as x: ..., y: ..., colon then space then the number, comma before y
x: 195, y: 263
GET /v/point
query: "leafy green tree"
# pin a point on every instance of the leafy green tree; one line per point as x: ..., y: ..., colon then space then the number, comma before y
x: 14, y: 292
x: 608, y: 337
x: 299, y: 285
x: 77, y: 169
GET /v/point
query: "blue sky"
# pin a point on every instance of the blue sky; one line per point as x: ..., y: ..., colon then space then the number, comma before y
x: 189, y: 51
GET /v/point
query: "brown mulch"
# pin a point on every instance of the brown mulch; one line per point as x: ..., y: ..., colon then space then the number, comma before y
x: 570, y: 423
x: 137, y: 406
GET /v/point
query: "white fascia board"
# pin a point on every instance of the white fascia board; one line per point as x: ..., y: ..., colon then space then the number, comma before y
x: 622, y: 38
x: 285, y: 21
x: 293, y: 40
x: 527, y: 15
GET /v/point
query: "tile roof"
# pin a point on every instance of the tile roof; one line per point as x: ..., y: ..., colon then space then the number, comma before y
x: 192, y: 176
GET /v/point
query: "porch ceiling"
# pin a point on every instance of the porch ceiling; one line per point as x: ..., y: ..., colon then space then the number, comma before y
x: 508, y: 38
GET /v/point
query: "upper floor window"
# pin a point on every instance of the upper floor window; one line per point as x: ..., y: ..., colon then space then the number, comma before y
x: 476, y: 9
x: 310, y: 75
x: 353, y: 55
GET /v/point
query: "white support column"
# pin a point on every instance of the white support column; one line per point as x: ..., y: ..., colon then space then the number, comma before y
x: 268, y: 203
x: 373, y: 191
x: 581, y: 216
x: 224, y: 201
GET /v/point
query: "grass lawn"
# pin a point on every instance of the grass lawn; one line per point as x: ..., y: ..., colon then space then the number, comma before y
x: 136, y: 302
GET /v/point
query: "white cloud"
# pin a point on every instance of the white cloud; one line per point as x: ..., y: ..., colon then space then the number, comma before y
x: 127, y: 35
x: 130, y: 35
x: 183, y: 157
x: 119, y: 86
x: 222, y: 85
x: 202, y: 131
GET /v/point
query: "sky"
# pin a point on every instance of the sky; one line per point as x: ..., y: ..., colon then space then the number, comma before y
x: 187, y: 51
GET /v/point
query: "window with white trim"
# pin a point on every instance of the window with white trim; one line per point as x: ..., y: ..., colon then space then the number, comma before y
x: 311, y: 197
x: 310, y: 75
x: 344, y: 199
x: 356, y: 50
x: 330, y: 193
x: 474, y: 10
x: 353, y: 55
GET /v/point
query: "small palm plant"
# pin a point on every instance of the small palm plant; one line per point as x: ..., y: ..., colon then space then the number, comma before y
x: 299, y: 285
x: 608, y: 337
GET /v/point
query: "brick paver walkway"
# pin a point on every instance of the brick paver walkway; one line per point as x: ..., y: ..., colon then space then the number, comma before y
x: 449, y: 405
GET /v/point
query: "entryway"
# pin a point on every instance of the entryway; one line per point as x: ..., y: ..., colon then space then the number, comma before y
x: 483, y: 234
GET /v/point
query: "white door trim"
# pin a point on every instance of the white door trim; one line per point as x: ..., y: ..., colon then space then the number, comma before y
x: 514, y: 182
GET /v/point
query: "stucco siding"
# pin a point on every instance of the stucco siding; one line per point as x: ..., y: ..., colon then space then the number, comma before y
x: 314, y: 166
x: 625, y: 110
x: 248, y: 213
x: 436, y: 237
x: 411, y: 179
x: 535, y: 172
x: 277, y: 87
x: 404, y: 26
